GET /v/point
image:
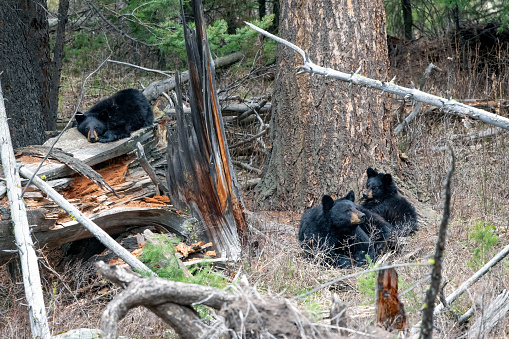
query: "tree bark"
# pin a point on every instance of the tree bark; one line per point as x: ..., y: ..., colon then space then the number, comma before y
x: 56, y: 66
x: 407, y: 18
x: 25, y: 63
x: 325, y: 133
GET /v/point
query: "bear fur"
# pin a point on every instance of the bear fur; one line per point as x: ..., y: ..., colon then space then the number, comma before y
x: 115, y: 117
x: 381, y: 197
x: 332, y: 229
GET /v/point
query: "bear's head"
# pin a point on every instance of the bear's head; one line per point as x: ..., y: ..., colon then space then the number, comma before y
x: 342, y: 214
x: 378, y: 185
x: 90, y: 125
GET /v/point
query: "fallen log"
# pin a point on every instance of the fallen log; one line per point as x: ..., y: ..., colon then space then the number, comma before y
x: 73, y: 142
x: 113, y: 222
x: 490, y: 317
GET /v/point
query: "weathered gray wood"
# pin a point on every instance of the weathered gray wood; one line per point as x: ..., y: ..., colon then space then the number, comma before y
x: 68, y: 159
x: 447, y: 105
x: 114, y: 221
x: 75, y: 143
x: 99, y: 233
x: 495, y: 312
x: 25, y: 245
x: 140, y: 153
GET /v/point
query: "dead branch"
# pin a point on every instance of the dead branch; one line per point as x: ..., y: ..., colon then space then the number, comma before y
x: 155, y: 89
x: 241, y: 311
x: 140, y: 153
x: 447, y: 105
x: 436, y: 270
x: 495, y: 312
x: 98, y: 232
x: 417, y: 107
x: 254, y: 137
x: 24, y: 243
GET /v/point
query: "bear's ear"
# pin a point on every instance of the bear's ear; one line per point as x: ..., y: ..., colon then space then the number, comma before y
x: 371, y: 172
x: 327, y: 202
x: 79, y: 117
x: 350, y: 196
x: 387, y: 179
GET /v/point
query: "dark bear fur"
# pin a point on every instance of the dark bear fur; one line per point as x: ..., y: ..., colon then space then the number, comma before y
x: 381, y: 197
x: 116, y: 117
x: 333, y: 230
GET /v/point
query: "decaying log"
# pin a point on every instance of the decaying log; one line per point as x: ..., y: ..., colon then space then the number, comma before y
x: 490, y: 317
x: 98, y: 232
x: 389, y: 310
x: 155, y: 89
x: 200, y: 174
x: 114, y: 221
x: 447, y: 105
x: 73, y: 163
x: 24, y: 243
x: 243, y: 313
x: 72, y: 141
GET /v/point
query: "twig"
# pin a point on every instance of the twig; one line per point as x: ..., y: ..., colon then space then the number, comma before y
x: 140, y: 67
x: 446, y: 105
x: 254, y: 137
x: 140, y: 153
x: 417, y: 107
x: 247, y: 167
x: 436, y: 269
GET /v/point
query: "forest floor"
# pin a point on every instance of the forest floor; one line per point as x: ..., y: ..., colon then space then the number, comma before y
x: 478, y: 226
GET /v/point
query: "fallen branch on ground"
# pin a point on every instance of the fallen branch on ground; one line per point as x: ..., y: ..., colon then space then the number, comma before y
x: 447, y: 105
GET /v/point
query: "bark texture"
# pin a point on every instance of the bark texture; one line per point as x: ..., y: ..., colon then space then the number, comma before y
x: 325, y: 133
x: 25, y: 63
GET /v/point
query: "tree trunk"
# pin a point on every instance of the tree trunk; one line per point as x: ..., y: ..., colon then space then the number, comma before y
x: 325, y: 134
x: 56, y: 70
x: 407, y: 18
x: 25, y: 63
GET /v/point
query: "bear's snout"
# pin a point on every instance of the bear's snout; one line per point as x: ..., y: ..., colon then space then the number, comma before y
x: 367, y: 194
x: 92, y: 136
x: 357, y: 217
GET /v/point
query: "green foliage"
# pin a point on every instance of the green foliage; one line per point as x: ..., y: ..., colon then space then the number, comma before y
x: 366, y: 284
x: 160, y: 257
x: 82, y: 46
x: 483, y: 238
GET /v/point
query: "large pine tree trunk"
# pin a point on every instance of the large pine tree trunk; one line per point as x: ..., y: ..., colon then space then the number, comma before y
x: 25, y: 63
x: 325, y: 134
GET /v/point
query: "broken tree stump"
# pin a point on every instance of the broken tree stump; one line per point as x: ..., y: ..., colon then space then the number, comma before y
x: 389, y: 310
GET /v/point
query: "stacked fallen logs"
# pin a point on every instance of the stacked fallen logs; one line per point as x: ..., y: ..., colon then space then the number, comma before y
x: 112, y: 197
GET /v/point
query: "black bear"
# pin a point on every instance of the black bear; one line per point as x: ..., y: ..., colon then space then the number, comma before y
x: 116, y: 117
x: 381, y: 197
x: 333, y: 230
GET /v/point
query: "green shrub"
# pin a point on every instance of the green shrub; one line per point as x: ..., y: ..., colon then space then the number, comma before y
x: 483, y: 239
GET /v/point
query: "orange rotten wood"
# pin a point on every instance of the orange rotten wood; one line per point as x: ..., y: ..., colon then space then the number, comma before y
x: 389, y: 310
x: 200, y: 176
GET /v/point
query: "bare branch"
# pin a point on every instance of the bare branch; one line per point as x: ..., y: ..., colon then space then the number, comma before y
x: 436, y: 270
x: 446, y: 105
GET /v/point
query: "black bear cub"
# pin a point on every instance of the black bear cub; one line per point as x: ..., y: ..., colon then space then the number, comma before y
x: 333, y: 230
x: 381, y: 197
x: 116, y: 117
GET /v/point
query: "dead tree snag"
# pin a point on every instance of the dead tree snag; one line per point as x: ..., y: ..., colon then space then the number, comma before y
x: 200, y: 173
